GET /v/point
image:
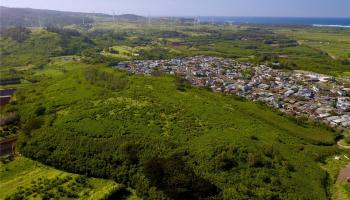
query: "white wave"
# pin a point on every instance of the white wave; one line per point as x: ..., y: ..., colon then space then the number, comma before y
x: 331, y: 25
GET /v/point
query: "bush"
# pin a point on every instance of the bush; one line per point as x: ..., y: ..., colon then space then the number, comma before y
x: 181, y: 83
x: 32, y: 124
x: 177, y: 180
x: 347, y: 140
x: 19, y: 34
x: 40, y: 111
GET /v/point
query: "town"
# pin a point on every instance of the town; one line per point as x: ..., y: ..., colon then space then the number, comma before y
x: 298, y: 93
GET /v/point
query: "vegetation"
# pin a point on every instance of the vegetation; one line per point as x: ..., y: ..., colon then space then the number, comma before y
x: 136, y: 130
x: 158, y: 135
x: 333, y: 166
x: 22, y: 178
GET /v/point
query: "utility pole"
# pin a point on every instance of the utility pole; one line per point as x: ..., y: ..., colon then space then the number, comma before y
x: 39, y: 21
x: 94, y: 18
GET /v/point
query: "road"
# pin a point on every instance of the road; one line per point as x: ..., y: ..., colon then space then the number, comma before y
x: 342, y: 146
x: 343, y: 174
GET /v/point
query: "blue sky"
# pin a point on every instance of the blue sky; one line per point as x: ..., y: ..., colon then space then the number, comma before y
x: 288, y: 8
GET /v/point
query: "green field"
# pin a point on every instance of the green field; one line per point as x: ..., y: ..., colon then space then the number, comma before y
x: 336, y: 43
x: 32, y: 180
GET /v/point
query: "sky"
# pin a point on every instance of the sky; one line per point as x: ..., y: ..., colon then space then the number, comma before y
x: 266, y: 8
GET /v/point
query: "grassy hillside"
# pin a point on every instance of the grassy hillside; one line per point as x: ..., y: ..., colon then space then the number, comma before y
x: 188, y: 144
x: 23, y: 177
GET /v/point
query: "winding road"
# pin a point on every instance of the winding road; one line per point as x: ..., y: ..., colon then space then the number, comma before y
x: 344, y: 172
x: 342, y: 146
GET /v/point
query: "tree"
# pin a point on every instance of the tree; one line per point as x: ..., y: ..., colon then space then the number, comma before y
x: 19, y: 34
x: 40, y: 111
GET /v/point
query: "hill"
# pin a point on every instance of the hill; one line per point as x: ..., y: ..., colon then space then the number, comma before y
x: 28, y: 17
x: 191, y: 144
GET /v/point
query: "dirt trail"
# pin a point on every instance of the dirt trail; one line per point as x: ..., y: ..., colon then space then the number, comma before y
x: 343, y: 174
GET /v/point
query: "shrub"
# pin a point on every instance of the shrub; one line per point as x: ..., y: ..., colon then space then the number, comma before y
x: 40, y: 111
x: 347, y: 140
x: 32, y: 124
x: 177, y: 180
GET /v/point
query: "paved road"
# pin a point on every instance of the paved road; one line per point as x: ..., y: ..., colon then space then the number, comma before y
x: 342, y: 146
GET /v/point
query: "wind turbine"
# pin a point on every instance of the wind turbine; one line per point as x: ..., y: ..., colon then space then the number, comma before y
x: 113, y: 14
x: 149, y: 20
x: 39, y: 21
x: 93, y: 18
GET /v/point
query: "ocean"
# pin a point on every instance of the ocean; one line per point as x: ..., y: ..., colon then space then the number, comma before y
x: 332, y: 22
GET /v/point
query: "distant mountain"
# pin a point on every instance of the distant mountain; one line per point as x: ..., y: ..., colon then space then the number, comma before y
x: 29, y: 17
x: 130, y: 17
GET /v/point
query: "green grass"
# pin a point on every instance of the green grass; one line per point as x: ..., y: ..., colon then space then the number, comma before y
x: 124, y: 52
x: 333, y: 41
x: 332, y: 166
x: 22, y: 172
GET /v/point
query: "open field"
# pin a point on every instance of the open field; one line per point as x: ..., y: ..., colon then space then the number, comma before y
x: 335, y: 42
x: 29, y: 178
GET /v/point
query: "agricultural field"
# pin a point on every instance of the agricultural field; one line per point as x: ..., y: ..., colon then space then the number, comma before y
x: 335, y: 42
x: 23, y: 178
x: 323, y: 50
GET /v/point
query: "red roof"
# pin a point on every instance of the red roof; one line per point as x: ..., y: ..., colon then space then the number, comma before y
x: 4, y: 100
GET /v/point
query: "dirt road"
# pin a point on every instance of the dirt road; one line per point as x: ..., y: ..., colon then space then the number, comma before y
x: 343, y: 174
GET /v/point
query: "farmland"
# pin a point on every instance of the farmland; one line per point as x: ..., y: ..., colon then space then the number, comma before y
x: 323, y: 50
x: 23, y: 177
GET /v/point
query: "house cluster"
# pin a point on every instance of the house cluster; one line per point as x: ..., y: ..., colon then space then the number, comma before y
x: 299, y: 93
x: 5, y: 96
